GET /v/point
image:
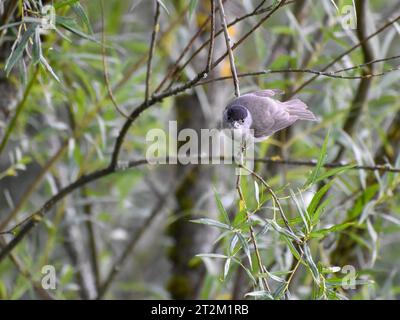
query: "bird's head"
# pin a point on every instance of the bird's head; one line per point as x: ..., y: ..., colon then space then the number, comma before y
x: 237, y: 117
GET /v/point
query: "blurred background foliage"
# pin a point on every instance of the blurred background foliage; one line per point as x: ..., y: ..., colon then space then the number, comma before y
x: 131, y: 235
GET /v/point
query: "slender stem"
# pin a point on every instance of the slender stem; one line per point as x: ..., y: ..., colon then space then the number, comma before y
x: 251, y: 31
x: 105, y: 65
x: 156, y: 28
x: 320, y: 73
x: 228, y: 43
x: 347, y: 52
x: 292, y: 273
x: 93, y: 247
x: 273, y: 195
x: 252, y: 234
x: 255, y: 12
x: 212, y: 38
x: 18, y: 110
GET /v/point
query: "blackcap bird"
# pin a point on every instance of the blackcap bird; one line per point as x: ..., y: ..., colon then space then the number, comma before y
x: 258, y: 114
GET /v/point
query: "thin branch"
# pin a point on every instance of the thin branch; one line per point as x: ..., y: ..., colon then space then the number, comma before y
x: 18, y: 110
x: 212, y: 38
x: 368, y: 63
x: 273, y: 195
x: 174, y: 69
x: 255, y: 12
x: 228, y: 43
x: 29, y: 223
x: 332, y: 74
x: 144, y: 58
x: 252, y: 234
x: 156, y: 28
x: 105, y: 65
x: 293, y: 272
x: 93, y: 247
x: 345, y: 53
x: 251, y: 31
x: 37, y: 217
x: 173, y: 91
x: 313, y: 163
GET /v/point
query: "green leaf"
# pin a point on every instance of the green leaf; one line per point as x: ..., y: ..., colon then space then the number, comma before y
x: 312, y: 207
x: 338, y: 282
x: 240, y: 218
x: 260, y: 294
x: 292, y: 248
x: 64, y: 3
x: 321, y: 160
x: 233, y: 243
x: 311, y: 264
x: 211, y: 255
x: 283, y: 231
x: 192, y: 7
x: 323, y: 232
x: 81, y: 13
x: 37, y: 47
x: 212, y: 222
x: 226, y: 267
x: 257, y: 192
x: 220, y: 207
x: 334, y: 172
x: 44, y: 62
x: 70, y: 25
x: 320, y: 210
x: 162, y: 4
x: 303, y: 212
x: 246, y: 249
x: 362, y: 200
x: 19, y: 50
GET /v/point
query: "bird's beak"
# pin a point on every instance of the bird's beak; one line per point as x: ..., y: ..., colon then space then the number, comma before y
x: 236, y: 125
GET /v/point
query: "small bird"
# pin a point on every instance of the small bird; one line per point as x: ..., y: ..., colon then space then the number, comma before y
x: 259, y: 112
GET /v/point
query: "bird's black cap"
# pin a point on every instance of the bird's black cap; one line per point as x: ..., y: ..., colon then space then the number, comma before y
x: 236, y: 113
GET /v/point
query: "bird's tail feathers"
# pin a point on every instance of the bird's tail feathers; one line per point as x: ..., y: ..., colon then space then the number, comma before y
x: 298, y: 108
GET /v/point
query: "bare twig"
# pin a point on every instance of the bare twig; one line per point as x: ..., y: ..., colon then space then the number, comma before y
x: 175, y: 68
x: 368, y: 63
x: 255, y: 12
x: 345, y: 53
x: 173, y: 91
x: 105, y: 65
x: 320, y: 73
x: 293, y: 272
x: 228, y: 43
x: 313, y: 163
x: 29, y: 223
x: 251, y: 31
x: 212, y: 38
x: 144, y: 58
x: 156, y: 28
